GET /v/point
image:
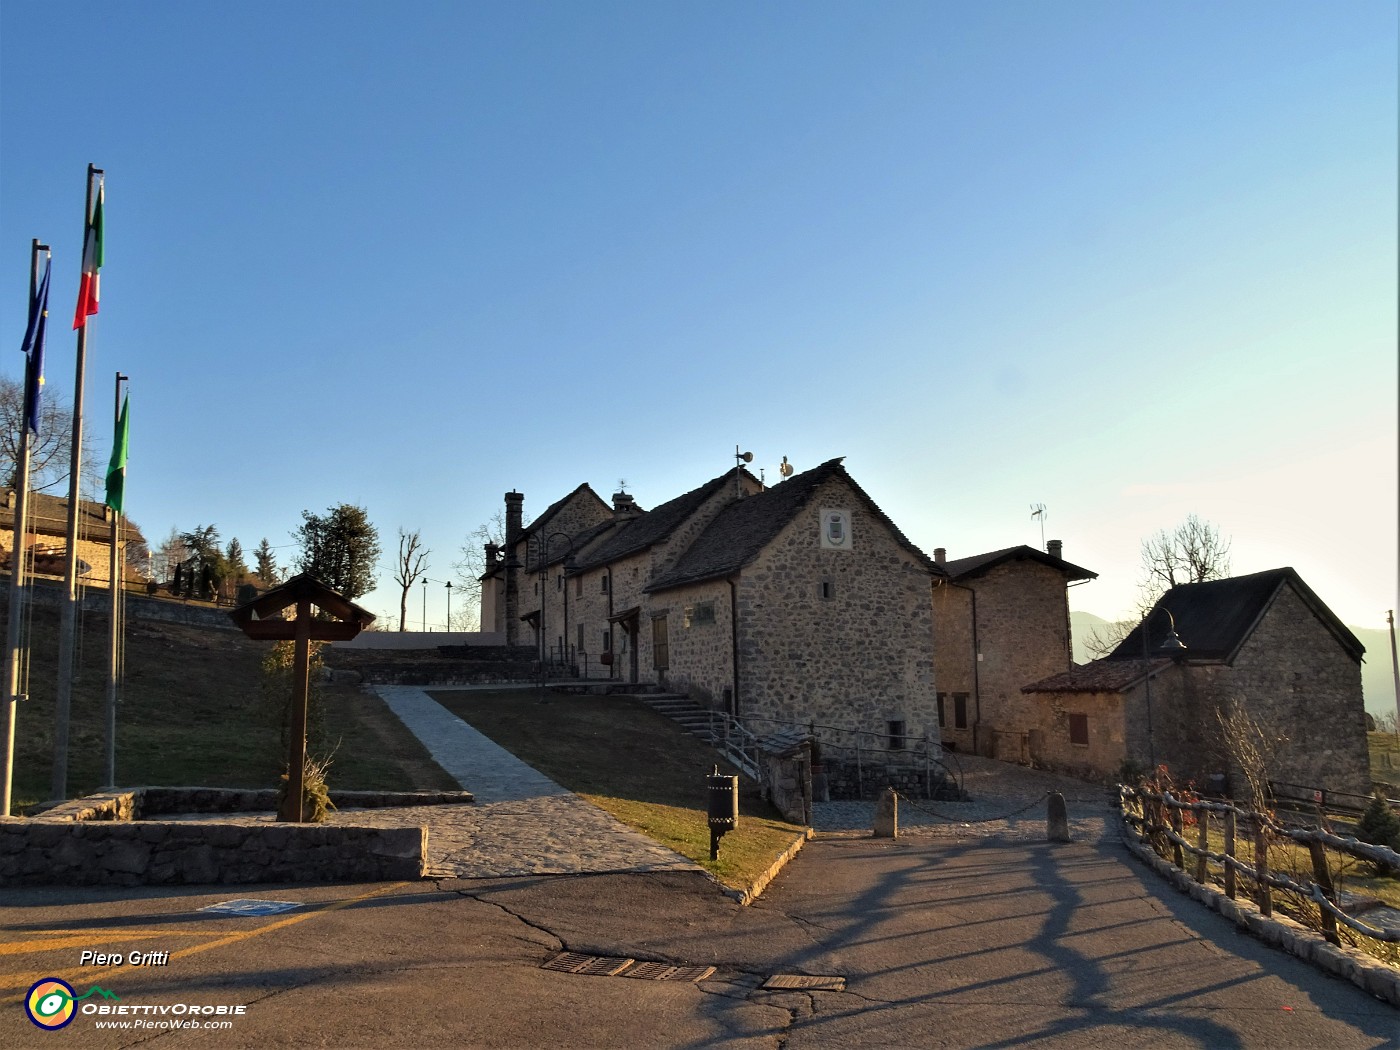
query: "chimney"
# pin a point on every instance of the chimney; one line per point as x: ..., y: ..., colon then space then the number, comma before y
x: 492, y: 554
x: 515, y: 502
x: 624, y: 506
x: 1054, y: 548
x: 940, y: 555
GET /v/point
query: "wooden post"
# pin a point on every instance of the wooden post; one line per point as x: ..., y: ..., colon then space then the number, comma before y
x: 1261, y: 865
x: 1322, y: 875
x: 1202, y: 842
x: 1230, y: 853
x: 296, y: 747
x: 1174, y: 815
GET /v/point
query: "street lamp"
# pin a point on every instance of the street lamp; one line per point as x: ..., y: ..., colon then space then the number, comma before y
x: 449, y: 606
x: 1172, y: 645
x: 425, y: 604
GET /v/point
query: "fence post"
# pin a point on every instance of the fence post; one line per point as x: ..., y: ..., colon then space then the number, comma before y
x: 1323, y: 877
x: 1230, y: 853
x: 1261, y: 865
x: 1174, y: 817
x: 1202, y: 842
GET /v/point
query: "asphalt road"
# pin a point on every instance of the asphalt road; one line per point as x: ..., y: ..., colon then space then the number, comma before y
x: 941, y: 944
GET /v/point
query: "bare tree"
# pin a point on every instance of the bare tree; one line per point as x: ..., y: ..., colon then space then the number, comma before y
x: 1251, y: 749
x: 49, y: 455
x: 1193, y: 552
x: 408, y: 568
x: 172, y: 552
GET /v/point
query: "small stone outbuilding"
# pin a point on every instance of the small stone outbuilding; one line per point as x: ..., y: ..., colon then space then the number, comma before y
x: 1264, y: 642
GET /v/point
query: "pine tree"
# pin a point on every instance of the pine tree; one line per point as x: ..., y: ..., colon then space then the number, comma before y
x: 266, y: 562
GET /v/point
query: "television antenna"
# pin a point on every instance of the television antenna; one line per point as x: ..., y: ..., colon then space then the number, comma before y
x: 1038, y: 511
x: 740, y: 458
x: 785, y: 468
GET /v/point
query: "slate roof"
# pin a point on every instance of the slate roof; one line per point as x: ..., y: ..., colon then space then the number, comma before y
x: 1101, y: 676
x: 650, y: 528
x: 48, y: 516
x: 968, y: 568
x: 1213, y: 619
x: 554, y: 508
x: 743, y: 528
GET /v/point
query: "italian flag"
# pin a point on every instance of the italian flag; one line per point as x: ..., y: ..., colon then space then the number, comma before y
x: 92, y: 264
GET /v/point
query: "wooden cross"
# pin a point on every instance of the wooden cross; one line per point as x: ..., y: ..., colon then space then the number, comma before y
x: 262, y: 619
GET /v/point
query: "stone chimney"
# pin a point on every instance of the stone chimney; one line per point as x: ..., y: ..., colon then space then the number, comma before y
x: 624, y: 506
x: 1055, y: 549
x: 940, y: 555
x: 515, y: 502
x: 493, y: 553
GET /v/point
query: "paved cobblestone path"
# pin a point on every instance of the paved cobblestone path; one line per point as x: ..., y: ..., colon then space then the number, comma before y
x: 522, y: 823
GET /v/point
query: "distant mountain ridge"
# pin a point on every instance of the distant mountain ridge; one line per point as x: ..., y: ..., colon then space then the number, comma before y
x: 1377, y: 679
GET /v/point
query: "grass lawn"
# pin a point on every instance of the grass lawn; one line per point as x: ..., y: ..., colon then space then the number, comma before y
x: 634, y: 763
x: 193, y: 712
x: 1385, y: 760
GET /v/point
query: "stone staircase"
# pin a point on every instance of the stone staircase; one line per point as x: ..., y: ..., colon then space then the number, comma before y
x: 704, y: 724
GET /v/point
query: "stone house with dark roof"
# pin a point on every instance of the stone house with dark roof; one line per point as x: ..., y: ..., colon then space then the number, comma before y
x: 1264, y: 641
x: 47, y: 537
x: 1001, y: 619
x: 797, y: 603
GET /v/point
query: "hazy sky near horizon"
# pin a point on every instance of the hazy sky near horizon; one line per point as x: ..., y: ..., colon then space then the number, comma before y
x: 1128, y: 261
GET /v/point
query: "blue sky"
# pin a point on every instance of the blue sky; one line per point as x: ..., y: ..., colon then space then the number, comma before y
x: 1130, y: 261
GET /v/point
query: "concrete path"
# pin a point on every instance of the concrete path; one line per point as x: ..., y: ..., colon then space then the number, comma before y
x: 523, y: 823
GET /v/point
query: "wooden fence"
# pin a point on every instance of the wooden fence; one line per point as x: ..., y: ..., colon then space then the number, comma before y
x: 1162, y: 820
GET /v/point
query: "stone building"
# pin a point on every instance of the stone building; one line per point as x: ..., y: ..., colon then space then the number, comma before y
x: 47, y: 537
x: 792, y: 604
x: 1001, y: 620
x: 1264, y: 642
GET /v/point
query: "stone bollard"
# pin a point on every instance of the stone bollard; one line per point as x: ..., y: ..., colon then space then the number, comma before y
x: 887, y: 815
x: 1056, y: 819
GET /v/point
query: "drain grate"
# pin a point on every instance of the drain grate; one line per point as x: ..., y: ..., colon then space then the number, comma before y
x: 588, y: 965
x: 612, y: 966
x: 652, y: 971
x: 805, y: 983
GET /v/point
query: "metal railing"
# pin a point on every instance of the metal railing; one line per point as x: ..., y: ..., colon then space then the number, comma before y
x: 852, y: 742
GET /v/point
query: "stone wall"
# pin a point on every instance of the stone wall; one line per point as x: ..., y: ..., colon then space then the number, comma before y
x: 862, y: 657
x: 700, y: 631
x: 104, y: 840
x: 954, y: 660
x: 1022, y: 637
x: 423, y: 639
x: 1101, y: 758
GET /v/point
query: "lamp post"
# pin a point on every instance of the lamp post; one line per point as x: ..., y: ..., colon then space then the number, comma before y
x: 425, y: 605
x: 449, y: 606
x: 544, y: 600
x: 1171, y: 645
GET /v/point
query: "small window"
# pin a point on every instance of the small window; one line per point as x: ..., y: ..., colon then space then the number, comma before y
x: 701, y: 614
x: 537, y: 586
x: 828, y: 588
x: 578, y: 586
x: 607, y: 642
x: 582, y: 639
x: 942, y: 717
x: 959, y: 710
x: 896, y: 729
x: 1079, y: 730
x: 604, y: 583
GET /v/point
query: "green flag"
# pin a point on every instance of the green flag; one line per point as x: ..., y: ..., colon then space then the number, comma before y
x: 116, y: 469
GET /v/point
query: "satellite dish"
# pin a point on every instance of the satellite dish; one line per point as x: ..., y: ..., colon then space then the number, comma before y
x: 747, y: 457
x: 785, y: 468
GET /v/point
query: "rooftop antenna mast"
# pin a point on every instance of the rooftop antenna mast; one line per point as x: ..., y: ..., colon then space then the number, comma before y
x: 1038, y: 511
x: 740, y: 458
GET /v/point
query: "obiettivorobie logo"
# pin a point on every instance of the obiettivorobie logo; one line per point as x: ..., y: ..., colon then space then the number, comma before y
x: 51, y: 1002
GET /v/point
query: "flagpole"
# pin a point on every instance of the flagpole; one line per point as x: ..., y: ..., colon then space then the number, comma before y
x: 63, y: 699
x: 115, y: 583
x: 12, y: 631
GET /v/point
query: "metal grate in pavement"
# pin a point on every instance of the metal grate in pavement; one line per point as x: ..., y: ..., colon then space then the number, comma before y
x: 653, y: 971
x: 805, y: 983
x: 588, y: 965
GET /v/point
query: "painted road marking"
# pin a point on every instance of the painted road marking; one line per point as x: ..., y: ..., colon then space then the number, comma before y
x: 21, y: 982
x: 249, y: 906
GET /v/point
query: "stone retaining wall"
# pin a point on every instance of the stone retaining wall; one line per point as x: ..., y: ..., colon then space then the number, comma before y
x: 104, y: 840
